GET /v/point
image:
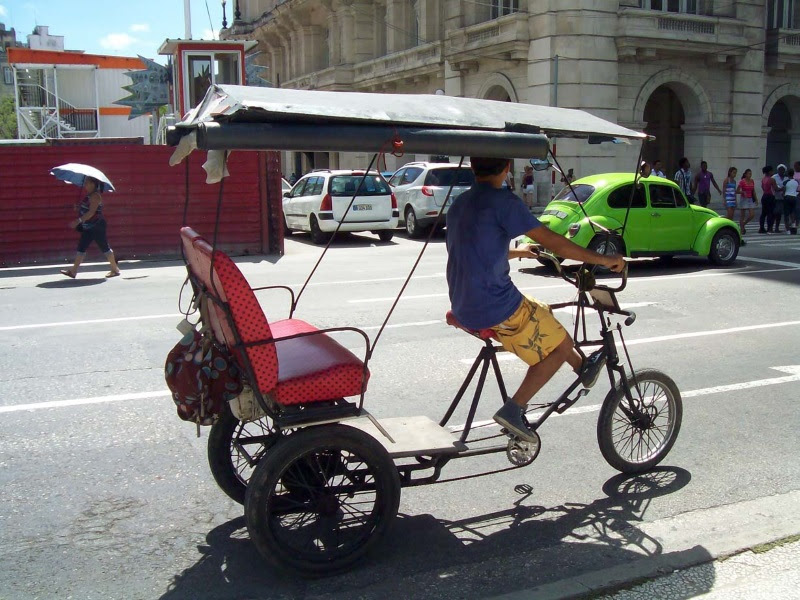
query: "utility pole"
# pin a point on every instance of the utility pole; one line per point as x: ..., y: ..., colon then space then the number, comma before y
x: 555, y: 104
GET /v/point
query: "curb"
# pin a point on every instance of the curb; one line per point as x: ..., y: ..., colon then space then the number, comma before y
x: 688, y: 540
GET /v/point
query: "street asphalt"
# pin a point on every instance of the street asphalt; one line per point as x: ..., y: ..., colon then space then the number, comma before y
x: 105, y: 493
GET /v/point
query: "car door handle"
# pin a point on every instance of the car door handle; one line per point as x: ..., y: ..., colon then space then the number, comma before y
x: 655, y: 214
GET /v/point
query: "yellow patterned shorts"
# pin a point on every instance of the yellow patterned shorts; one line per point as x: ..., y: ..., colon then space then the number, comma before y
x: 532, y: 332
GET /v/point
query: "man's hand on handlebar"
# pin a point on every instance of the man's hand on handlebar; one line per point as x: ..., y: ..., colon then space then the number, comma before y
x: 524, y: 251
x: 615, y: 262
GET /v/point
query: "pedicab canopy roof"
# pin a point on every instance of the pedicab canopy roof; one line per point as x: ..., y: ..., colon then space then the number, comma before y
x: 233, y: 117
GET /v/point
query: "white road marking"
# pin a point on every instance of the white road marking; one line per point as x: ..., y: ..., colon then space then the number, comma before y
x: 317, y: 283
x: 90, y: 321
x: 445, y: 294
x: 637, y: 280
x: 623, y: 306
x: 82, y: 401
x: 769, y: 261
x: 397, y: 325
x: 794, y: 371
x: 665, y: 338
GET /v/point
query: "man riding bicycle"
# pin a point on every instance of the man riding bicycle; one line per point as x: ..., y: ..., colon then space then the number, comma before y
x: 480, y: 226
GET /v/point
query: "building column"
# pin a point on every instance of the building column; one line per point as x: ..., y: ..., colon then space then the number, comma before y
x: 334, y: 39
x: 748, y: 146
x: 347, y: 48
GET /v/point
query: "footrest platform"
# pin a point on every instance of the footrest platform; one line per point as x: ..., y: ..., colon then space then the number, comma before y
x: 413, y: 436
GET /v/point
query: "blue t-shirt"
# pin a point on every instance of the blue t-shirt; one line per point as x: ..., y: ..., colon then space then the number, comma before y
x: 480, y: 225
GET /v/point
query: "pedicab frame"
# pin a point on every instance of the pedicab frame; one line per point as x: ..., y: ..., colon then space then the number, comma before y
x: 312, y: 459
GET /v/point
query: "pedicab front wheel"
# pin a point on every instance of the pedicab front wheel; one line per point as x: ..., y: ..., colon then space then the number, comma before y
x: 321, y: 499
x: 636, y: 434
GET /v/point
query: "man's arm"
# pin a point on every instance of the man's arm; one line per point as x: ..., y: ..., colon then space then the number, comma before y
x: 561, y: 246
x: 714, y: 181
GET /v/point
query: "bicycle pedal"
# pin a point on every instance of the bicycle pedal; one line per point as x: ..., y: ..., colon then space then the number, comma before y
x: 566, y: 403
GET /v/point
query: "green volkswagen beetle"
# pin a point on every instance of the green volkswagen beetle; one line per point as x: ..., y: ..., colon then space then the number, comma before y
x: 660, y: 223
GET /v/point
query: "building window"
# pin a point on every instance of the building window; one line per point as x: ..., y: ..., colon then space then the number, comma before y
x: 8, y: 76
x: 207, y: 69
x: 674, y: 6
x: 782, y: 14
x: 503, y: 7
x: 414, y: 24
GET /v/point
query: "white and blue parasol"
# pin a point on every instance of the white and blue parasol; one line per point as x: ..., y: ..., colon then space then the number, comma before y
x: 76, y: 173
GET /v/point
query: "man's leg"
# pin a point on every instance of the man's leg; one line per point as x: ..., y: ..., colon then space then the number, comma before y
x: 539, y: 374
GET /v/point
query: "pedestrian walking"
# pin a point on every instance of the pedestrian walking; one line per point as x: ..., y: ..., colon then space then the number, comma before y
x: 683, y: 177
x: 92, y: 226
x: 702, y: 182
x: 508, y: 182
x: 748, y: 199
x: 658, y: 170
x: 768, y: 187
x: 729, y: 186
x: 790, y: 202
x: 528, y: 190
x: 780, y: 182
x: 293, y: 178
x: 569, y: 177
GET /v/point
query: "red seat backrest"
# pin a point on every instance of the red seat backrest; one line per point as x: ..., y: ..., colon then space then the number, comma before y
x: 227, y: 283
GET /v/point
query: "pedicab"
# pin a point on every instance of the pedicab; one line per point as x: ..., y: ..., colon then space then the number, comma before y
x: 320, y: 476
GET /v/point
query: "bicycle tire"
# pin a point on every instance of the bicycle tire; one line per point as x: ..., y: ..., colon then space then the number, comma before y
x: 314, y: 473
x: 627, y: 454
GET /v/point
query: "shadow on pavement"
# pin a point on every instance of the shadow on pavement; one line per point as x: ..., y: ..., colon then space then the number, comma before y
x: 128, y: 266
x: 70, y: 283
x: 513, y: 549
x: 343, y: 239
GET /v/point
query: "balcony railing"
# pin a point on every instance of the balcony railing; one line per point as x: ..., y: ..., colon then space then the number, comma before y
x: 403, y: 63
x: 660, y: 33
x: 782, y: 48
x: 506, y: 37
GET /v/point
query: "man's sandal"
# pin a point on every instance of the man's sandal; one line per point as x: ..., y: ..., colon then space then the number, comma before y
x: 68, y: 273
x: 112, y: 274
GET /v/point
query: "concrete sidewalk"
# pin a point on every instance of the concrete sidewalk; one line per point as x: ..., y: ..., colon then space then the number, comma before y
x: 769, y: 572
x: 748, y: 548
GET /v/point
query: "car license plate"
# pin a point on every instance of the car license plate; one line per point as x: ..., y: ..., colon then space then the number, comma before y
x: 362, y: 207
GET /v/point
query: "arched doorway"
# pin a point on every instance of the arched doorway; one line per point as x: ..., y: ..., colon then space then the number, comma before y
x: 664, y: 117
x: 498, y: 92
x: 779, y: 138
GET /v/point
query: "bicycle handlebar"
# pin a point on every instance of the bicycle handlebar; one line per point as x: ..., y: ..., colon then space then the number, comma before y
x: 584, y: 278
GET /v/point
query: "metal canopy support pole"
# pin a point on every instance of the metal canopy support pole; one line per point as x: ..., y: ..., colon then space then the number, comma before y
x: 17, y: 103
x: 97, y: 101
x: 58, y: 105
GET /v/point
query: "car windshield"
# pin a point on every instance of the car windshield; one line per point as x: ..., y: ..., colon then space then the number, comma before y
x: 346, y: 185
x: 448, y: 177
x: 581, y: 193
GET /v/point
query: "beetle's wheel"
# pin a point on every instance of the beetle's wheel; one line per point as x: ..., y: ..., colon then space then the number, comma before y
x: 521, y: 453
x: 321, y: 498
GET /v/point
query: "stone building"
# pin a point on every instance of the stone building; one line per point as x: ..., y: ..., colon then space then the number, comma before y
x: 717, y: 80
x: 8, y: 39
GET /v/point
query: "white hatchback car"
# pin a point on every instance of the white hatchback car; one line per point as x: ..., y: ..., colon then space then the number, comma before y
x: 421, y: 188
x: 317, y: 203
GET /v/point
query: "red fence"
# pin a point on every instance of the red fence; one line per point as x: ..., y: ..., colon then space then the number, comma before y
x: 145, y: 212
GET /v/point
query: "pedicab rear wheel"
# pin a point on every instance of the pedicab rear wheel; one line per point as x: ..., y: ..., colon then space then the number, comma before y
x: 321, y: 499
x: 234, y: 449
x: 635, y: 438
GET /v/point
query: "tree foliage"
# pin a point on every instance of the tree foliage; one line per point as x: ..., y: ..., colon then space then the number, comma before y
x: 8, y: 118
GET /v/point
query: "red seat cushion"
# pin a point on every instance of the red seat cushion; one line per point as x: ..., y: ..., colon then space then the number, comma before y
x: 313, y: 368
x: 484, y: 334
x: 316, y: 367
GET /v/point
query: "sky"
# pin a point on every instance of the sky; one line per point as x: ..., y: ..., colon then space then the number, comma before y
x: 115, y: 27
